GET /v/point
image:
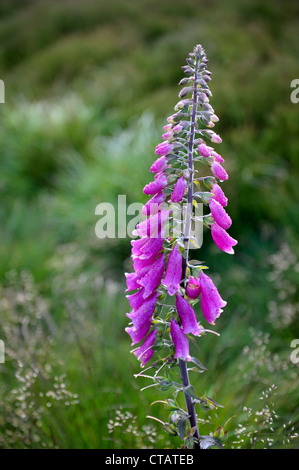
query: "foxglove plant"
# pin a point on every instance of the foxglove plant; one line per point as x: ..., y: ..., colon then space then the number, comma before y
x: 166, y: 285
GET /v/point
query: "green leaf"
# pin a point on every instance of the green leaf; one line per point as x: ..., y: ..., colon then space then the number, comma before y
x: 189, y: 442
x: 208, y: 221
x: 165, y: 384
x: 195, y: 369
x: 194, y: 262
x: 170, y: 429
x: 214, y: 402
x: 198, y: 363
x: 191, y: 392
x: 208, y: 181
x: 181, y: 425
x: 172, y: 404
x: 205, y: 196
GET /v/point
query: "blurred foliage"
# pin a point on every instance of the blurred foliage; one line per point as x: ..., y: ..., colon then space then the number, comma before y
x: 88, y: 86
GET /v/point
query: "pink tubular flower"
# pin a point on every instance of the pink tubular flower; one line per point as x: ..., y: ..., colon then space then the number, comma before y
x: 138, y: 333
x: 137, y: 245
x: 167, y: 128
x: 133, y: 278
x: 136, y: 300
x: 211, y: 302
x: 153, y: 205
x: 153, y: 277
x: 187, y: 316
x: 193, y: 288
x: 144, y: 352
x: 154, y: 226
x: 151, y: 247
x: 159, y: 165
x: 219, y: 195
x: 131, y: 281
x: 219, y: 171
x: 217, y: 157
x: 177, y: 129
x: 214, y: 118
x: 204, y: 150
x: 144, y: 311
x: 163, y: 148
x: 180, y: 341
x: 155, y: 186
x: 216, y: 138
x: 140, y: 264
x: 173, y: 274
x: 219, y: 214
x: 222, y: 239
x: 167, y: 135
x: 179, y: 190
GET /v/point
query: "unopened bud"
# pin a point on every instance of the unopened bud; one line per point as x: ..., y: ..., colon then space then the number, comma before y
x: 188, y: 70
x: 174, y: 117
x: 181, y: 105
x: 184, y: 81
x: 202, y: 97
x: 184, y: 92
x: 214, y: 118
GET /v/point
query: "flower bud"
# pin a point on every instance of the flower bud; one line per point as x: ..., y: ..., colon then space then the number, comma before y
x: 184, y: 92
x: 163, y: 148
x: 179, y: 190
x: 182, y: 105
x: 180, y: 341
x: 219, y: 171
x: 193, y: 288
x: 204, y: 150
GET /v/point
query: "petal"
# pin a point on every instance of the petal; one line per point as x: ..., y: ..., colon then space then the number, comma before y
x: 193, y: 288
x: 219, y: 171
x: 163, y: 148
x: 219, y: 214
x: 140, y: 264
x: 217, y: 157
x: 219, y: 195
x: 173, y: 274
x: 153, y: 278
x: 204, y: 150
x: 151, y: 247
x: 155, y: 186
x: 211, y: 301
x: 159, y: 165
x: 137, y: 334
x: 180, y: 341
x: 133, y: 278
x: 145, y: 352
x: 179, y: 190
x: 145, y: 311
x: 187, y: 316
x: 136, y: 300
x: 153, y: 226
x: 222, y: 239
x: 137, y: 245
x: 153, y: 205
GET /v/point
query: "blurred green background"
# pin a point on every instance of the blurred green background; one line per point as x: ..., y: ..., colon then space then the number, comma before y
x: 88, y: 87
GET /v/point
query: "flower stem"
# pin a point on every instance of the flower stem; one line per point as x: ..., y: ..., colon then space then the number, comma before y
x: 182, y: 364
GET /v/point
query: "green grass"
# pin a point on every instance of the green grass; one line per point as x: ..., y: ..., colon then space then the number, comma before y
x: 88, y: 88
